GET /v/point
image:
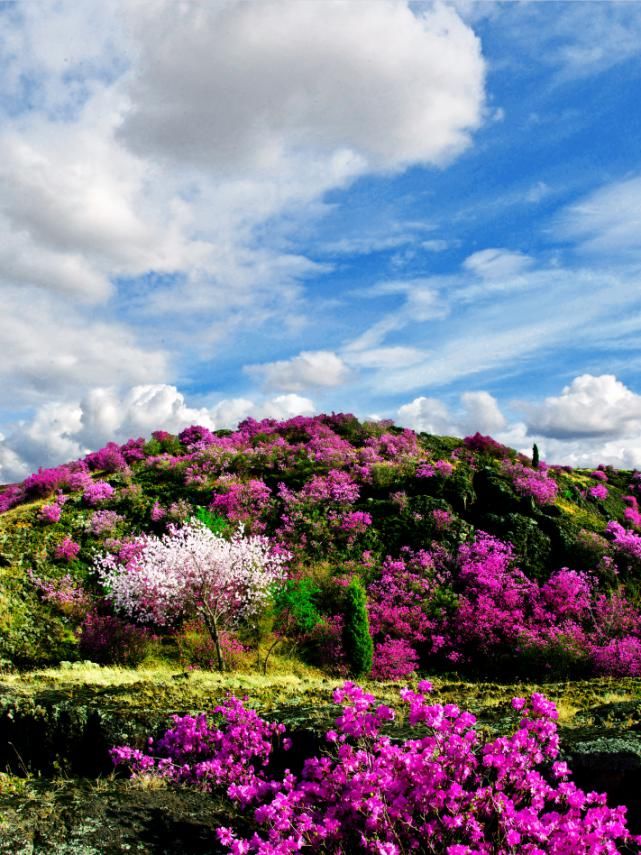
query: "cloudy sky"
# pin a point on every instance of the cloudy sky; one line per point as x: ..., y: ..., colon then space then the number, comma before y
x: 420, y: 211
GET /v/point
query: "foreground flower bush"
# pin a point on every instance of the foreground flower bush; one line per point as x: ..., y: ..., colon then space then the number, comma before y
x: 443, y: 791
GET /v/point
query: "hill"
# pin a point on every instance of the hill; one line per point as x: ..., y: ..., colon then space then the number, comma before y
x: 469, y: 557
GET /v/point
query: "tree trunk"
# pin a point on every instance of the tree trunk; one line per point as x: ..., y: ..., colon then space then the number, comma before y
x: 212, y: 628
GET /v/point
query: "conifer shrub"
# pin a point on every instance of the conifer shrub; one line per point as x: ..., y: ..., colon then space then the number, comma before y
x: 359, y: 648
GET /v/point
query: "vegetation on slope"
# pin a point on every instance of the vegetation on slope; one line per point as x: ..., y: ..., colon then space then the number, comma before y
x: 437, y: 530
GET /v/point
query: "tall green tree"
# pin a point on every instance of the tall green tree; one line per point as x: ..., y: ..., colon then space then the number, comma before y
x: 359, y: 647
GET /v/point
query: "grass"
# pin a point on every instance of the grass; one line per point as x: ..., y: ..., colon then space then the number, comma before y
x: 161, y: 687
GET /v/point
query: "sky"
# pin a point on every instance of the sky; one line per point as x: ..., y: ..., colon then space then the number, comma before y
x: 420, y: 211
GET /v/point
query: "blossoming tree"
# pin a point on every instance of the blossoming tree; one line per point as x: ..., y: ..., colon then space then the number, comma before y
x: 192, y: 571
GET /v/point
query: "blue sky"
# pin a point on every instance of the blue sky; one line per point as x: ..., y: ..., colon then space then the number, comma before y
x: 420, y: 211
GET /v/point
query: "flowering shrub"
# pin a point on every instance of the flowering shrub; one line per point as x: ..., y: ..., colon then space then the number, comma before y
x: 50, y: 513
x: 104, y: 521
x: 243, y: 503
x: 192, y: 571
x: 445, y: 786
x: 98, y: 491
x: 67, y: 549
x: 626, y: 542
x: 65, y: 593
x: 486, y: 445
x: 108, y: 639
x: 536, y: 483
x: 394, y: 659
x: 429, y: 470
x: 442, y: 519
x: 108, y: 459
x: 599, y: 475
x: 195, y: 437
x: 10, y: 497
x: 599, y: 492
x: 632, y: 514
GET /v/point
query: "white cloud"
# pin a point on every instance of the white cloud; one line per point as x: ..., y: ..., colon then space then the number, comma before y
x: 393, y: 86
x: 428, y: 415
x: 497, y: 263
x: 481, y: 413
x: 477, y: 411
x: 308, y: 369
x: 51, y: 349
x: 159, y: 138
x: 607, y: 220
x: 589, y: 407
x: 385, y: 357
x: 594, y: 420
x: 435, y: 245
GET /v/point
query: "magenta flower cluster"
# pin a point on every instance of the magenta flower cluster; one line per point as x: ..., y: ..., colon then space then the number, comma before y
x: 598, y: 492
x: 104, y: 521
x: 67, y: 549
x: 537, y: 483
x: 369, y: 793
x: 242, y: 502
x: 481, y: 607
x: 97, y: 492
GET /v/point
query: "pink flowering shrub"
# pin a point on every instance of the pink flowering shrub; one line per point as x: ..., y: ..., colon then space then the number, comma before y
x: 133, y: 450
x: 104, y: 522
x: 97, y: 492
x: 429, y: 470
x: 632, y: 515
x: 108, y: 459
x: 50, y: 513
x: 108, y: 639
x: 243, y: 502
x: 599, y: 492
x: 599, y: 475
x: 625, y: 542
x: 67, y: 549
x: 482, y: 607
x: 537, y: 483
x: 44, y: 482
x: 65, y: 593
x: 336, y: 487
x: 486, y: 445
x: 157, y: 512
x: 394, y: 659
x: 196, y: 437
x: 442, y: 519
x: 9, y: 497
x: 446, y: 785
x: 620, y: 657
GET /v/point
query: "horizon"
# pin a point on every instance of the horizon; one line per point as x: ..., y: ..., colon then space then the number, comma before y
x: 416, y: 211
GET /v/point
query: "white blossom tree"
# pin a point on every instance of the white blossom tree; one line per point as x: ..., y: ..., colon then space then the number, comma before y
x: 192, y: 571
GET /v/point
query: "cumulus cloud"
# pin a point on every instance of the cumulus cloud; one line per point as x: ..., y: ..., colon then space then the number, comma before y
x: 481, y: 409
x: 52, y: 349
x: 308, y: 369
x: 594, y: 420
x: 477, y: 411
x: 392, y: 86
x: 589, y: 407
x: 427, y: 415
